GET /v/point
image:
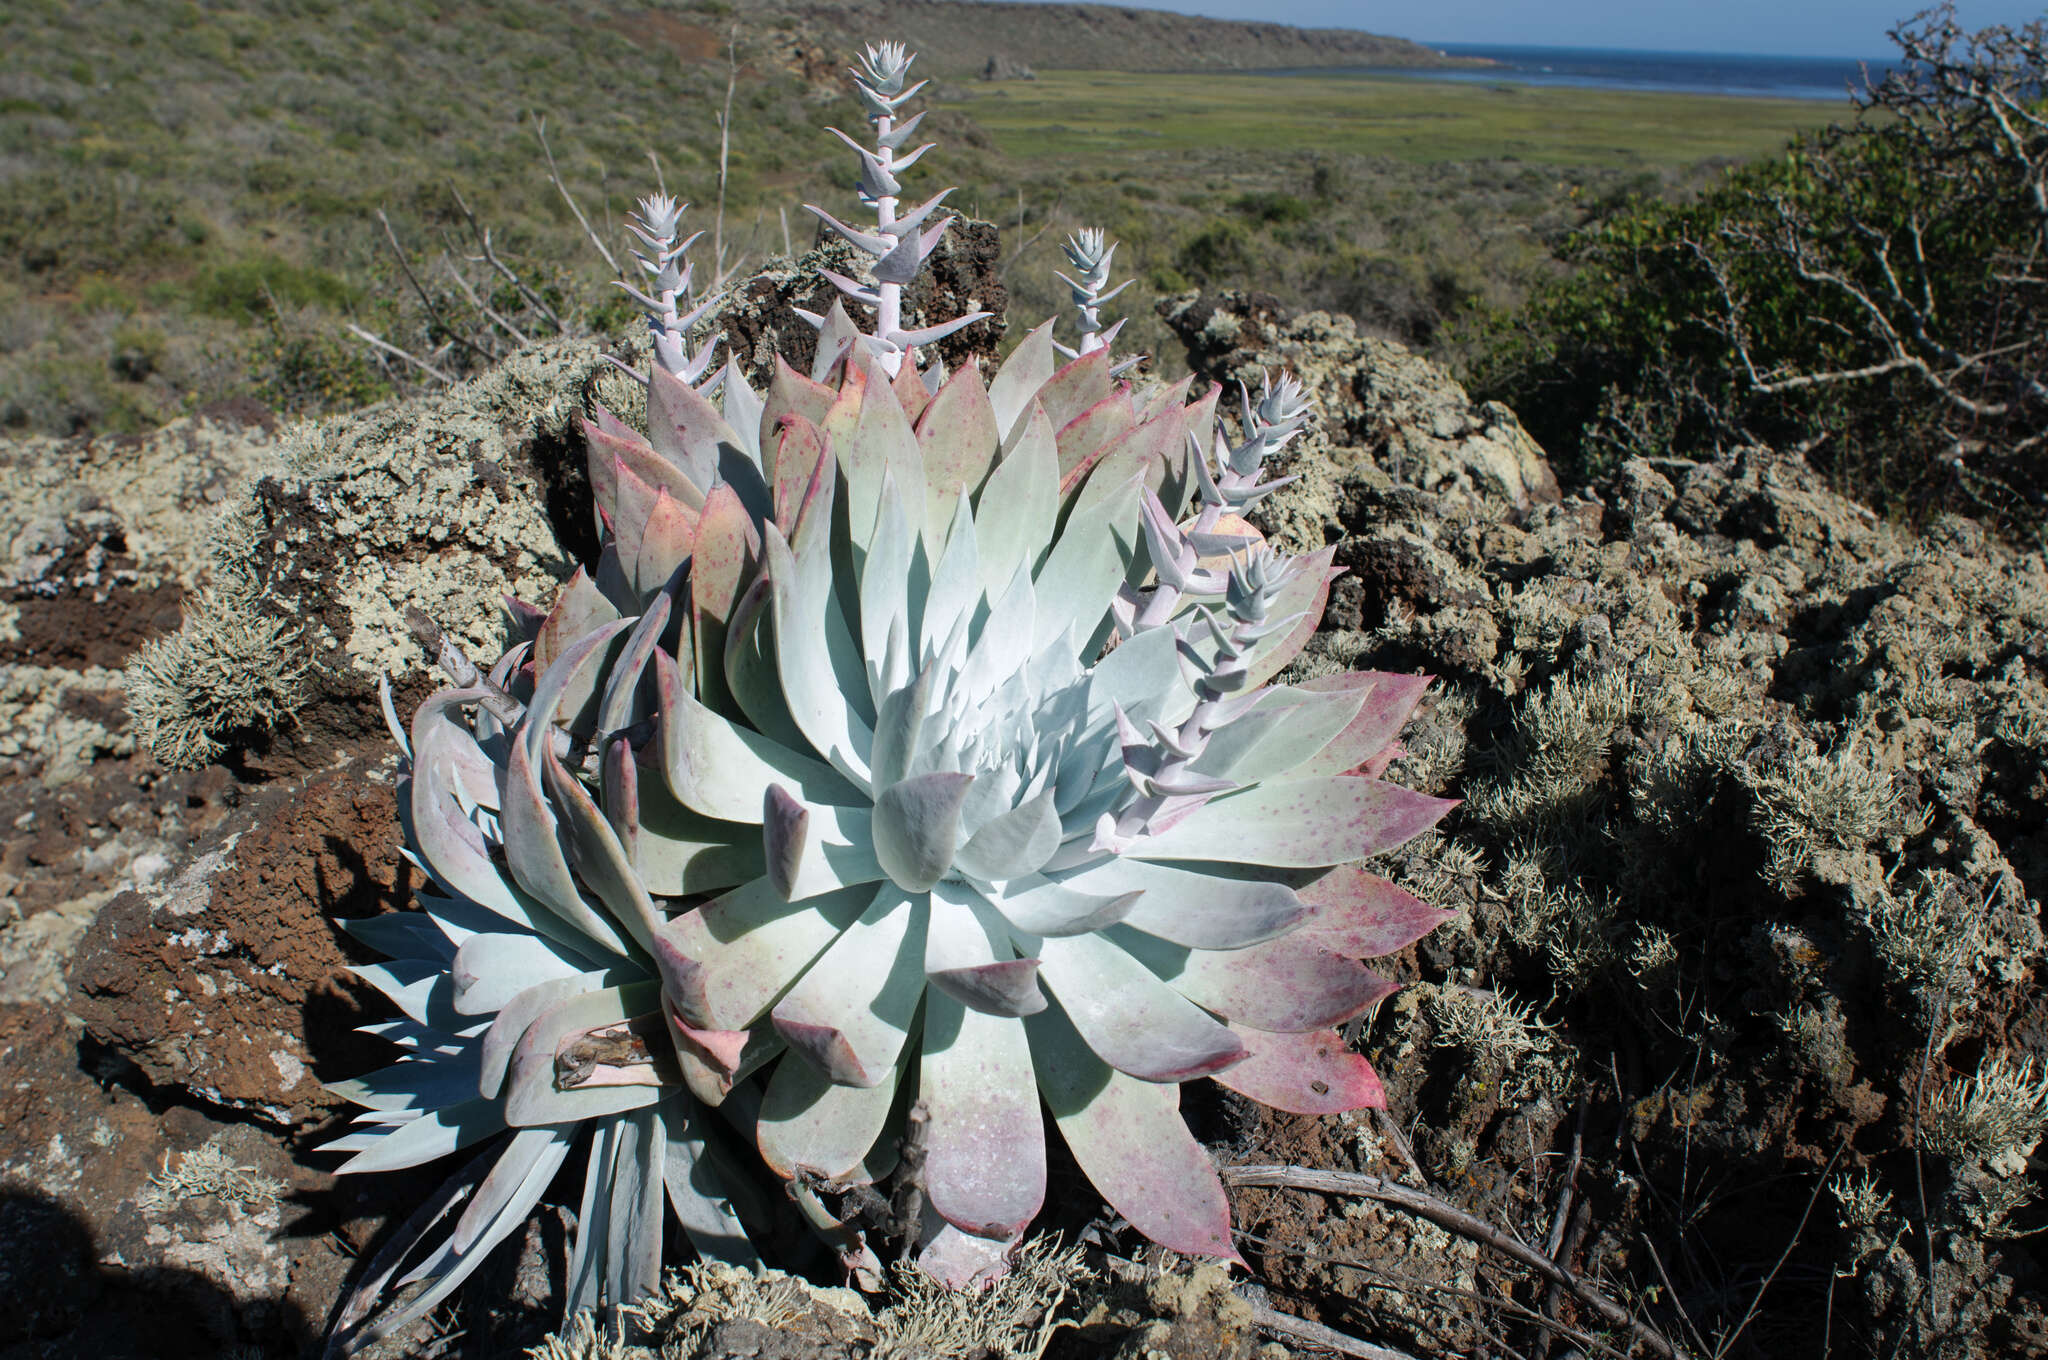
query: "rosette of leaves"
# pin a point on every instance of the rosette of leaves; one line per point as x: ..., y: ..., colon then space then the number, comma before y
x: 910, y: 749
x: 1003, y: 861
x: 531, y: 1002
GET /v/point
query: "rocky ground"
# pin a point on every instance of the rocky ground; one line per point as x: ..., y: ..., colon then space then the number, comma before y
x: 1739, y: 1022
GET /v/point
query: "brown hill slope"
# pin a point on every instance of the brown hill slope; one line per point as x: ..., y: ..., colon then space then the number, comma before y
x: 957, y: 37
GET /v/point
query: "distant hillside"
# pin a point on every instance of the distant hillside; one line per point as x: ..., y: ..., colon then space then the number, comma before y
x: 957, y: 37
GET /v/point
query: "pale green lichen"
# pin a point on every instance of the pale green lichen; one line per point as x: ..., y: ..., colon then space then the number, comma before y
x: 208, y: 1170
x: 1995, y: 1116
x: 231, y: 665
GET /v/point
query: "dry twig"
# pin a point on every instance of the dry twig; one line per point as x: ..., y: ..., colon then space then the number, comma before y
x: 1447, y: 1215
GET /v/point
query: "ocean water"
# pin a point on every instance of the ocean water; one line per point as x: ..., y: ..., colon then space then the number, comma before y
x: 1617, y: 69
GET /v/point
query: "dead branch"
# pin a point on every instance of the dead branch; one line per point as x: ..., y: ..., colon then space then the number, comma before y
x: 432, y: 308
x: 1447, y: 1215
x: 1317, y: 1335
x: 510, y: 275
x: 397, y: 353
x: 540, y: 132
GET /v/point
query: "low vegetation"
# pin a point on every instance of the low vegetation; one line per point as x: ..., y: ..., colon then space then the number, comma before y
x: 192, y: 191
x: 1872, y: 296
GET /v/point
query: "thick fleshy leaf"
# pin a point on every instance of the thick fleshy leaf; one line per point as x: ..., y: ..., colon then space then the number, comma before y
x: 1309, y: 1073
x: 984, y: 1165
x: 634, y: 1224
x: 750, y: 670
x: 1299, y: 823
x: 696, y: 1191
x: 1039, y: 906
x: 955, y: 591
x: 1080, y: 576
x: 1279, y: 735
x: 917, y: 827
x: 579, y: 610
x: 1177, y: 492
x: 720, y: 769
x: 686, y: 428
x: 838, y: 850
x: 742, y: 407
x: 414, y: 1084
x: 958, y: 437
x: 1019, y: 505
x: 848, y: 1015
x: 646, y: 464
x: 785, y: 834
x: 1088, y: 436
x: 802, y: 453
x: 1134, y: 1022
x: 401, y: 935
x: 1286, y: 985
x: 726, y: 962
x: 624, y: 701
x: 714, y: 1060
x: 445, y: 751
x: 538, y: 854
x: 586, y: 1248
x: 568, y: 690
x: 1017, y: 382
x: 1198, y: 910
x: 893, y: 582
x: 1130, y: 1142
x: 1004, y: 646
x: 790, y: 393
x: 1389, y: 699
x: 428, y: 1138
x: 514, y: 1018
x: 531, y: 1095
x: 1363, y: 916
x: 880, y: 441
x: 421, y: 988
x: 970, y: 956
x: 527, y: 1153
x: 836, y: 339
x: 813, y: 1124
x: 1151, y: 451
x: 680, y: 853
x: 817, y: 658
x: 489, y: 970
x: 1080, y: 385
x: 911, y: 393
x: 1017, y: 843
x: 666, y: 542
x: 600, y: 859
x: 727, y: 553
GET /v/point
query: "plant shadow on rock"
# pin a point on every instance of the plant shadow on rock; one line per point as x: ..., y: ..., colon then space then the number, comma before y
x: 62, y: 1291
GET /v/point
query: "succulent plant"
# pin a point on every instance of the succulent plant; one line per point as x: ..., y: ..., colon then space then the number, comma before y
x: 910, y: 757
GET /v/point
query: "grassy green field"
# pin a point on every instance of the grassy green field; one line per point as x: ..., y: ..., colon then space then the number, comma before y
x: 1092, y: 117
x: 188, y: 192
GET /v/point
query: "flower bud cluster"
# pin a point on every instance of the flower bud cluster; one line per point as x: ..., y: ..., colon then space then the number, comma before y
x: 657, y: 225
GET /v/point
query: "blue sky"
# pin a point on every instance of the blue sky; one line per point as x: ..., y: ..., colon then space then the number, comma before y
x: 1849, y: 28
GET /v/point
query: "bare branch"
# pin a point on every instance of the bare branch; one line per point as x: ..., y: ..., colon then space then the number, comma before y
x: 395, y: 352
x: 540, y: 131
x: 1447, y: 1215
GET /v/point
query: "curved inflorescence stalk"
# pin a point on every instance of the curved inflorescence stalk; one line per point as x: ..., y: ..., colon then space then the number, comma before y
x: 899, y: 241
x: 1162, y: 769
x: 1225, y: 492
x: 657, y: 225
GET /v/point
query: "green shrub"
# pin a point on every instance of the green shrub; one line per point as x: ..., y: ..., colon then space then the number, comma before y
x: 1869, y: 297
